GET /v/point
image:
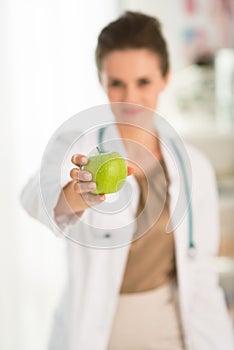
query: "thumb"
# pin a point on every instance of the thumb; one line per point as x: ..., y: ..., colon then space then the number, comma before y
x: 130, y: 170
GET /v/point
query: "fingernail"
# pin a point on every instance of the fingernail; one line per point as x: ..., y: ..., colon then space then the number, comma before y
x: 87, y: 176
x: 83, y: 160
x: 73, y: 158
x: 92, y: 185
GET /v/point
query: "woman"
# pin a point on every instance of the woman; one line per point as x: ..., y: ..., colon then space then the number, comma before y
x: 126, y: 298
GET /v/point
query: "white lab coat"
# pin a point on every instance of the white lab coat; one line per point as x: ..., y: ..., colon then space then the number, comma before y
x: 84, y: 317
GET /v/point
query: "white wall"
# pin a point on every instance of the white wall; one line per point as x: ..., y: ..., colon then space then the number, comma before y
x: 175, y: 19
x: 9, y: 272
x: 47, y: 75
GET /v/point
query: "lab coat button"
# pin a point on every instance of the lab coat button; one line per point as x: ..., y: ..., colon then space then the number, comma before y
x: 107, y: 235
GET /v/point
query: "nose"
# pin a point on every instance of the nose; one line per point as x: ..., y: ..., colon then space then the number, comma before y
x: 131, y: 95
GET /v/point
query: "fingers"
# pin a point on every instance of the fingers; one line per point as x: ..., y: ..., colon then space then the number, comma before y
x: 93, y: 199
x: 79, y: 159
x: 82, y: 179
x: 82, y: 187
x: 80, y: 175
x: 82, y: 182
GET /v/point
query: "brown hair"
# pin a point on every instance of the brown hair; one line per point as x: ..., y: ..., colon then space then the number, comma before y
x: 130, y: 31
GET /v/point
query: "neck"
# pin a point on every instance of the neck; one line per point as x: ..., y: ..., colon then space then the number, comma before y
x: 146, y: 136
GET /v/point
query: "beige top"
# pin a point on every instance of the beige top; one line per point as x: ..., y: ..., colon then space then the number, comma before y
x: 151, y: 259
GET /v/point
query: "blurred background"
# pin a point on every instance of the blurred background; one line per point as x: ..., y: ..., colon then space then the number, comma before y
x: 48, y: 75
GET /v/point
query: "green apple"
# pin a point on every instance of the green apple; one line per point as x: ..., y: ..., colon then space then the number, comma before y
x: 109, y: 171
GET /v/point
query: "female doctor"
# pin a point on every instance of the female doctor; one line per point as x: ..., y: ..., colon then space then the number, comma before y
x: 159, y: 291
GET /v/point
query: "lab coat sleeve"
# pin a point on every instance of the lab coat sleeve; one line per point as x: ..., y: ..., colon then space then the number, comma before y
x: 32, y: 202
x: 210, y: 325
x: 40, y: 195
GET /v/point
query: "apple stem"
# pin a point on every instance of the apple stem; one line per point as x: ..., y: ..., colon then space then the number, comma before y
x: 99, y: 151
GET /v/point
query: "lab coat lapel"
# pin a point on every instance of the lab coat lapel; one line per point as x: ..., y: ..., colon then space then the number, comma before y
x: 179, y: 226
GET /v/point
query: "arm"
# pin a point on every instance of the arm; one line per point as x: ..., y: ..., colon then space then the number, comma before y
x: 58, y: 195
x: 58, y: 208
x: 41, y: 194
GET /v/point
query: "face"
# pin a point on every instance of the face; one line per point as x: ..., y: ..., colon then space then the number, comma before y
x: 133, y: 76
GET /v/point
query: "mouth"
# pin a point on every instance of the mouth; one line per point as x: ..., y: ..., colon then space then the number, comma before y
x: 131, y: 110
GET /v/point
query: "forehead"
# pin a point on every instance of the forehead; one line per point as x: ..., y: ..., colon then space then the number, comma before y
x: 130, y: 62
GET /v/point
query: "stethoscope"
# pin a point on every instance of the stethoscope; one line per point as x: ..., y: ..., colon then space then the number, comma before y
x: 191, y: 245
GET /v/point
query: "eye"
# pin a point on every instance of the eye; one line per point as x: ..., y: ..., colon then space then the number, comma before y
x: 115, y: 83
x: 143, y: 81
